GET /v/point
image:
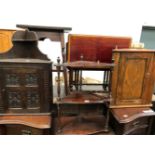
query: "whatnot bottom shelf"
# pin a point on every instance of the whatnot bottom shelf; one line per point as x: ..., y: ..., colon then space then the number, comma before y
x: 81, y: 125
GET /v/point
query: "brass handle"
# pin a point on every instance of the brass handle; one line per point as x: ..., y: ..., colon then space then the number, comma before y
x: 26, y: 132
x: 136, y: 123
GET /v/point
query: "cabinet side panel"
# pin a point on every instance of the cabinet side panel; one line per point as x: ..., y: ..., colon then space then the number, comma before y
x: 116, y: 57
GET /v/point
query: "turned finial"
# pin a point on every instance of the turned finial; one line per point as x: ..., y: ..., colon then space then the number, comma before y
x: 58, y: 60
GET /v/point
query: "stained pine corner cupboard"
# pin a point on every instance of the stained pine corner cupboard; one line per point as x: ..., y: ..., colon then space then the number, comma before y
x: 133, y: 77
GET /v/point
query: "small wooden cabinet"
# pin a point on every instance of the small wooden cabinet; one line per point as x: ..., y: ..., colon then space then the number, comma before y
x: 133, y: 78
x: 5, y: 39
x: 132, y: 121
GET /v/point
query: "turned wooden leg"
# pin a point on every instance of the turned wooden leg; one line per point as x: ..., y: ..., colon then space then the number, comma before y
x: 106, y: 127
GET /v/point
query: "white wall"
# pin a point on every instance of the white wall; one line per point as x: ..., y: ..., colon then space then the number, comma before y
x: 107, y: 17
x: 104, y: 17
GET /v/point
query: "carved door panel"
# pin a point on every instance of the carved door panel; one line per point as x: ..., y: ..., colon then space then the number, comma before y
x: 135, y: 79
x: 21, y: 89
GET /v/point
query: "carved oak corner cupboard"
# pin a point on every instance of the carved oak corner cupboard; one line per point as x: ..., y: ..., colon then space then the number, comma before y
x: 25, y: 87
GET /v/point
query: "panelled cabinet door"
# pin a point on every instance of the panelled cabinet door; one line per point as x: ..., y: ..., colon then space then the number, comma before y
x: 5, y: 40
x: 134, y: 81
x: 25, y: 87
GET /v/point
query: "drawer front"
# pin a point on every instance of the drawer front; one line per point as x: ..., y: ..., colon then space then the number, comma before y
x: 21, y: 130
x: 138, y: 126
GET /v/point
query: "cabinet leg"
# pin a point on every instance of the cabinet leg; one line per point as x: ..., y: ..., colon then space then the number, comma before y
x: 106, y: 127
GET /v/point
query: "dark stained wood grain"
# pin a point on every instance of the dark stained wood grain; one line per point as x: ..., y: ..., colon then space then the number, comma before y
x: 41, y: 121
x: 132, y: 121
x: 90, y: 125
x: 89, y: 65
x: 125, y: 115
x: 44, y: 28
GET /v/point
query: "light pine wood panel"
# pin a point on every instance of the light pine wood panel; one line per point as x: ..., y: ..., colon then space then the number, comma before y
x: 5, y: 40
x: 133, y: 78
